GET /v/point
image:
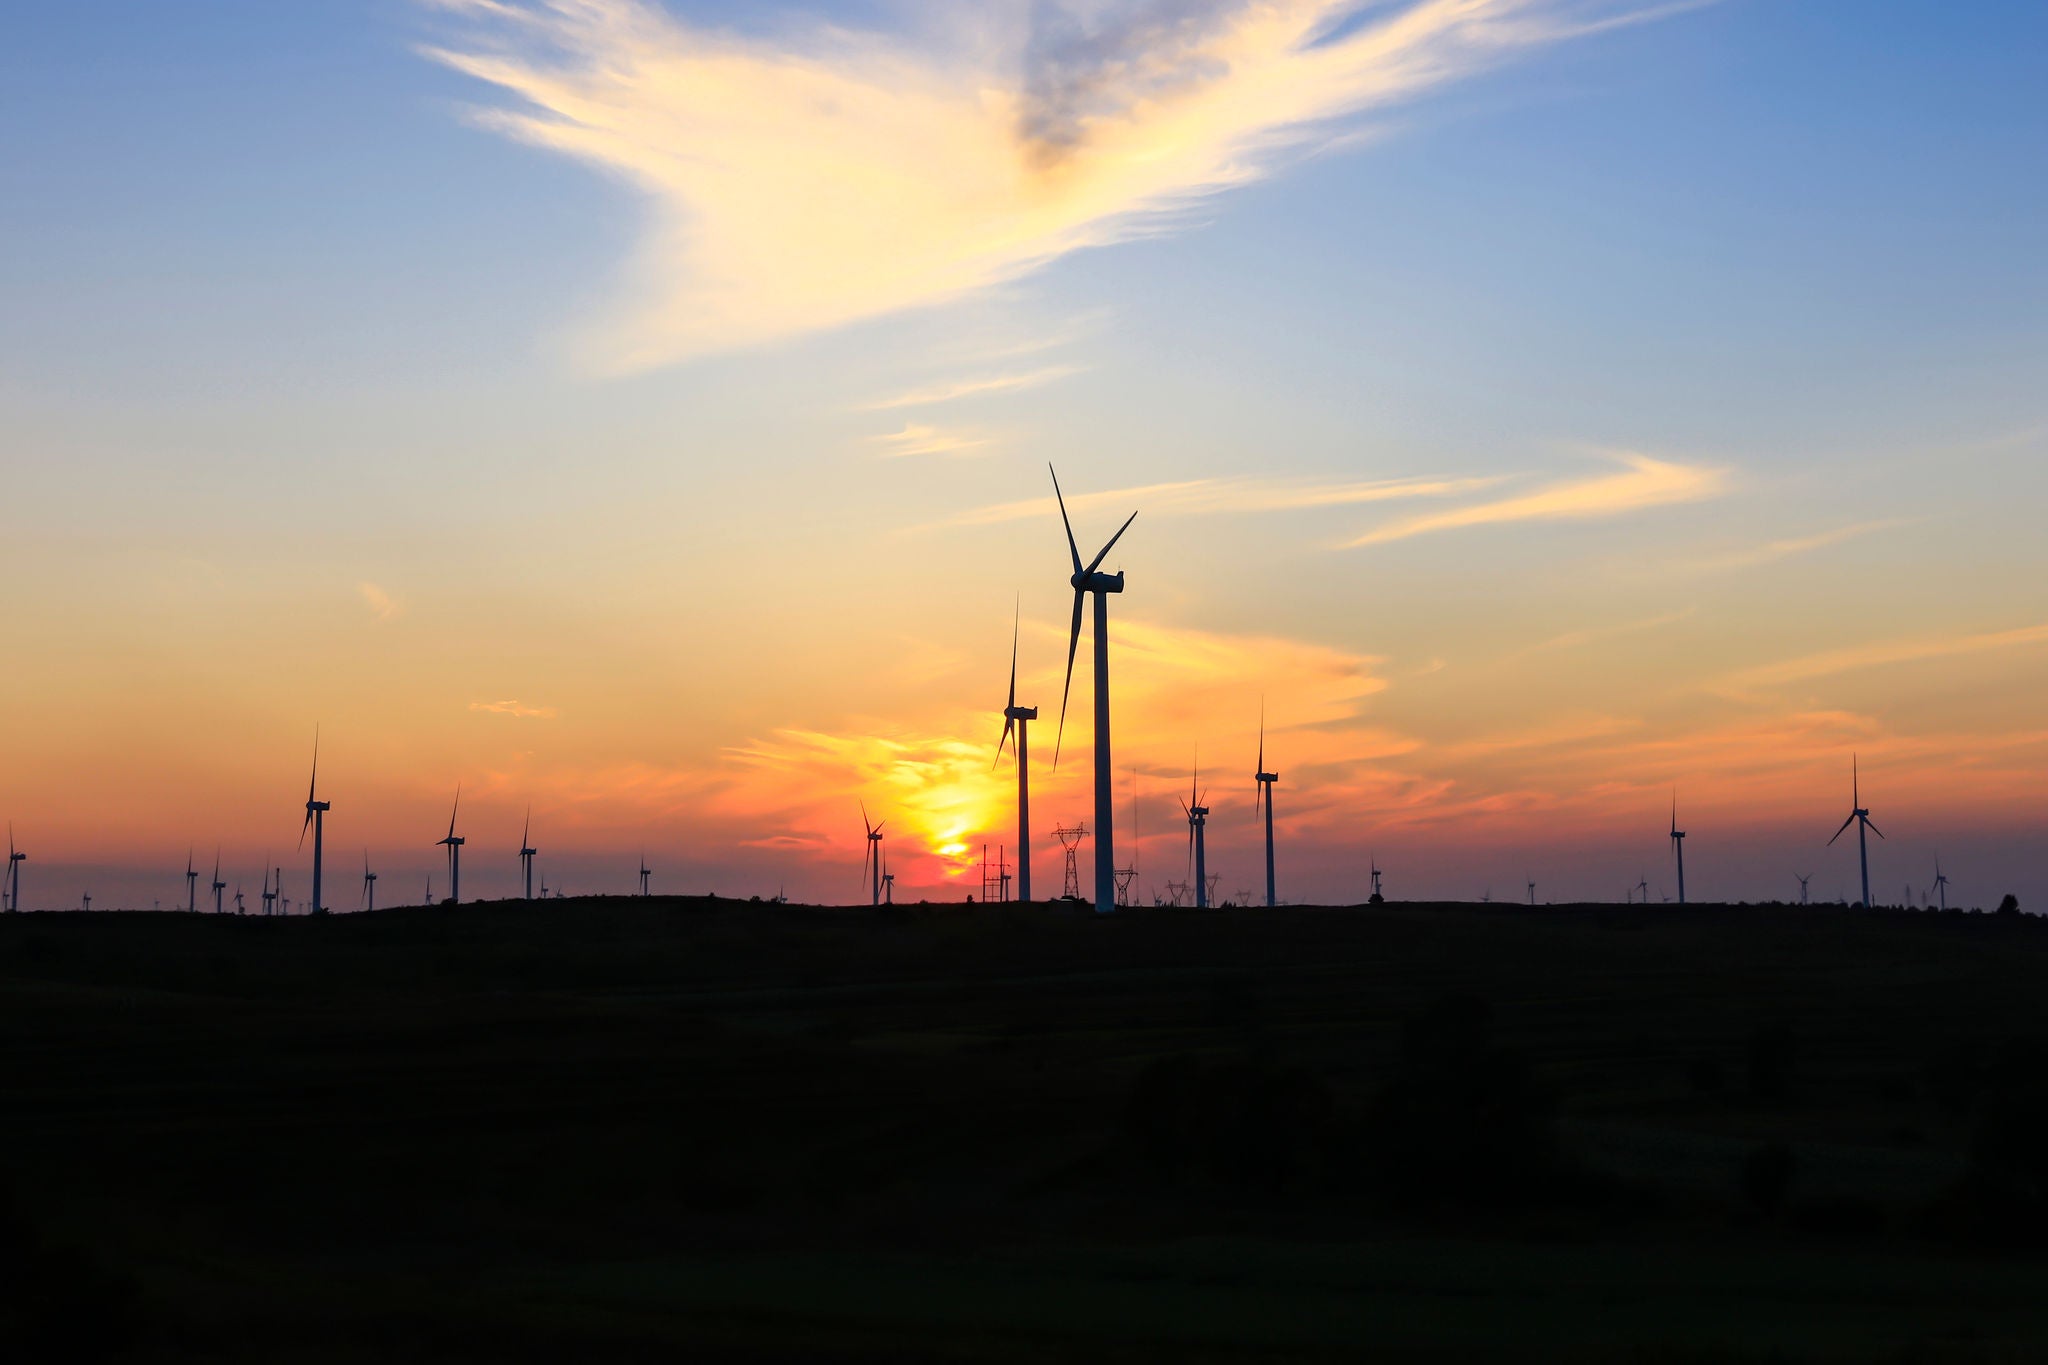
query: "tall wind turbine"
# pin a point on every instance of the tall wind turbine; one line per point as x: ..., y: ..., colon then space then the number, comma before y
x: 218, y: 885
x: 871, y: 860
x: 454, y: 844
x: 1198, y: 845
x: 645, y: 873
x: 1803, y: 880
x: 191, y: 886
x: 1266, y: 782
x: 1018, y: 719
x: 1086, y: 581
x: 316, y: 816
x: 369, y: 883
x: 1860, y: 818
x: 1941, y: 882
x: 1678, y: 847
x: 15, y: 858
x: 527, y: 853
x: 269, y: 896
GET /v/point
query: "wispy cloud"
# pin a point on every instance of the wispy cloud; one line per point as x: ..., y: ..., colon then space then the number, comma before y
x: 954, y: 390
x: 1643, y: 482
x: 381, y: 603
x: 1773, y: 551
x: 822, y: 176
x: 1209, y: 497
x: 918, y: 439
x: 515, y: 708
x: 1576, y: 639
x: 1829, y: 662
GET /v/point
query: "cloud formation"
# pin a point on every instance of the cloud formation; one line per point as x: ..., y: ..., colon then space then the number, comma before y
x: 382, y: 604
x: 1209, y: 497
x: 1773, y: 551
x: 514, y: 708
x: 1827, y: 663
x: 1643, y: 482
x: 824, y: 176
x: 918, y: 439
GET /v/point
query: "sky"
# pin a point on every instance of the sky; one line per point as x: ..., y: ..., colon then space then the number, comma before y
x: 639, y: 415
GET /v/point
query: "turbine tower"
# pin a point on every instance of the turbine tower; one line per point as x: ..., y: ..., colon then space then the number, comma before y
x: 269, y: 896
x: 1860, y: 818
x: 1018, y: 719
x: 871, y: 859
x: 454, y: 844
x: 1086, y: 581
x: 645, y: 873
x: 239, y: 909
x: 1198, y: 846
x: 15, y: 858
x: 369, y: 883
x: 316, y: 817
x: 888, y: 880
x: 88, y: 902
x: 218, y: 885
x: 527, y: 853
x: 1941, y: 883
x: 1803, y: 880
x: 1678, y: 847
x: 191, y: 886
x: 1266, y: 782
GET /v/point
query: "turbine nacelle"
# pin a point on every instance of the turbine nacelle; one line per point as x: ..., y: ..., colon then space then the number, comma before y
x: 1020, y: 713
x: 1093, y: 581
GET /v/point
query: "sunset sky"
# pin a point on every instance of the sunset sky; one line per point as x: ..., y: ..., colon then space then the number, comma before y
x: 640, y: 411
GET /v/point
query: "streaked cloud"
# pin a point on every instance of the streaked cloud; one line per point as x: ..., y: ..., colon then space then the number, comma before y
x: 1773, y: 551
x: 1577, y: 639
x: 382, y: 604
x: 1210, y: 497
x: 1643, y: 482
x: 1827, y: 663
x: 515, y: 708
x: 821, y: 176
x: 978, y: 386
x: 918, y: 439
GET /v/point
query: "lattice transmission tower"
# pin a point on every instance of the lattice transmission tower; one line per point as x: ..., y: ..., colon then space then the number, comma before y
x: 1070, y: 839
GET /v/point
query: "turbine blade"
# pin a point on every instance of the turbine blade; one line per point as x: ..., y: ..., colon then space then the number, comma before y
x: 1845, y: 825
x: 1073, y: 643
x: 1072, y: 548
x: 1871, y: 825
x: 1016, y: 624
x: 1009, y: 724
x: 451, y: 813
x: 526, y: 828
x: 1104, y: 553
x: 313, y: 783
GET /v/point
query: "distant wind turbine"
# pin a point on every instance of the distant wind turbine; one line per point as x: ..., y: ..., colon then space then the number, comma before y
x: 1678, y: 847
x: 1086, y: 581
x: 1940, y: 882
x: 191, y: 885
x: 1860, y: 818
x: 1017, y: 719
x: 888, y: 880
x: 1265, y: 782
x: 1532, y: 892
x: 1643, y: 885
x: 369, y: 883
x: 15, y: 858
x: 269, y: 896
x: 238, y: 899
x: 527, y: 852
x: 1803, y: 880
x: 219, y: 886
x: 316, y: 817
x: 1198, y: 844
x: 645, y: 873
x: 87, y: 899
x: 871, y: 859
x: 454, y: 844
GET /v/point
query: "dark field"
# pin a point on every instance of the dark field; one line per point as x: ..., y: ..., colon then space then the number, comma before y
x: 687, y: 1129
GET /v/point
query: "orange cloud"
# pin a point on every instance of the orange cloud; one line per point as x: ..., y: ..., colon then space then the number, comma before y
x: 1645, y: 482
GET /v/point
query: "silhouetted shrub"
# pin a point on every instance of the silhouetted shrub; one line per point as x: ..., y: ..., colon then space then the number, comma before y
x: 1236, y: 1124
x: 1461, y: 1123
x: 1767, y: 1177
x: 1769, y: 1059
x: 2010, y: 905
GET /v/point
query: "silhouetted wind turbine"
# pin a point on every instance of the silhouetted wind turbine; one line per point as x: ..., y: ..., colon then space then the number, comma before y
x: 1018, y: 719
x: 238, y: 899
x: 369, y: 883
x: 888, y: 880
x: 1643, y: 885
x: 316, y: 817
x: 871, y: 860
x: 645, y: 873
x: 1803, y: 880
x: 87, y: 899
x: 1532, y: 891
x: 269, y: 896
x: 1198, y: 822
x: 1265, y: 783
x: 1678, y: 847
x: 1860, y: 818
x: 527, y: 853
x: 1940, y: 882
x: 218, y: 886
x: 1086, y: 581
x: 191, y: 886
x: 454, y: 845
x: 15, y: 858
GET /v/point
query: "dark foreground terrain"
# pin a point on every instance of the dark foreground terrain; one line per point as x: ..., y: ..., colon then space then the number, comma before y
x: 685, y: 1129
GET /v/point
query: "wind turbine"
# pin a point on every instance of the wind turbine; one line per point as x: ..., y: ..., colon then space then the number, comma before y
x: 1018, y: 719
x: 88, y: 902
x: 191, y: 886
x: 1265, y: 783
x: 1803, y: 880
x: 238, y: 900
x: 645, y: 873
x: 871, y: 859
x: 1941, y: 883
x: 527, y: 853
x: 1643, y: 885
x: 218, y: 885
x: 1198, y: 822
x: 269, y: 896
x: 15, y: 858
x: 369, y: 883
x: 1678, y: 847
x: 454, y: 845
x: 888, y: 879
x: 1086, y: 581
x: 1860, y: 818
x: 316, y: 817
x: 1532, y: 891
